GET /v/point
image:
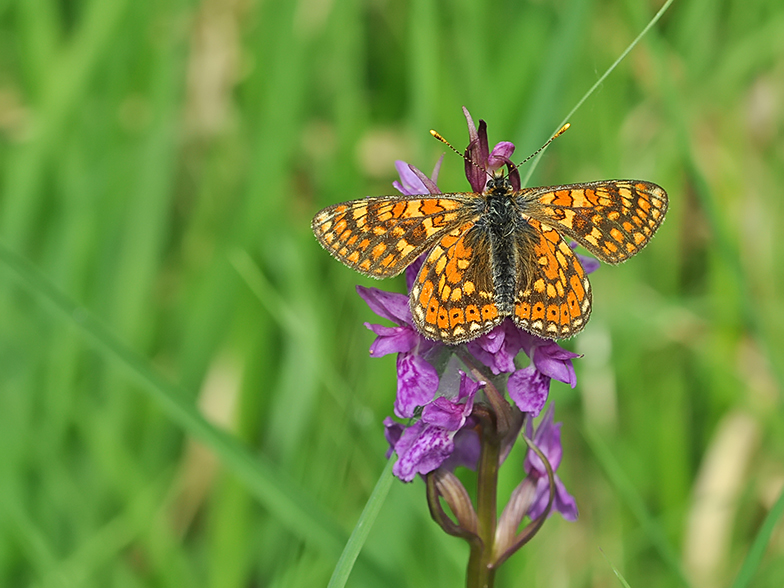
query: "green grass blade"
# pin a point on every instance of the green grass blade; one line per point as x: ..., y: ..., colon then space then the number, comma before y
x: 598, y: 83
x: 362, y: 528
x: 617, y: 573
x: 761, y: 542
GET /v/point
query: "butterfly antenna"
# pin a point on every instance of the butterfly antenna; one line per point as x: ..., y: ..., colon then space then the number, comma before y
x: 560, y: 132
x: 438, y: 136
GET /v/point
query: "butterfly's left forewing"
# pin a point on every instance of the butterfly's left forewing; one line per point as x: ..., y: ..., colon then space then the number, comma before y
x: 381, y: 236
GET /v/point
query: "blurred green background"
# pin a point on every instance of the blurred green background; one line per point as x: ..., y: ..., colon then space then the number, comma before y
x: 159, y: 164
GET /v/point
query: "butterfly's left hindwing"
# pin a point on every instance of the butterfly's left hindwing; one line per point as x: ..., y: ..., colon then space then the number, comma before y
x: 381, y: 236
x: 453, y: 298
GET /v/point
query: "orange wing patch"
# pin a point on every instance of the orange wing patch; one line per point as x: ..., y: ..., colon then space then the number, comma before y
x: 553, y: 294
x: 612, y: 219
x: 381, y: 236
x: 452, y: 299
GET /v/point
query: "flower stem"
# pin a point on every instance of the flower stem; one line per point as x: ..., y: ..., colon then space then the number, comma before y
x: 481, y: 572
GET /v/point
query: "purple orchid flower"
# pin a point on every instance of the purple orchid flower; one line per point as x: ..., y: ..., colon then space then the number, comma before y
x: 417, y: 379
x: 453, y: 397
x: 430, y: 441
x: 412, y: 181
x: 548, y: 439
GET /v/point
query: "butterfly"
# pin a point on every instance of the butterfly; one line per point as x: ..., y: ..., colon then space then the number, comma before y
x: 498, y: 254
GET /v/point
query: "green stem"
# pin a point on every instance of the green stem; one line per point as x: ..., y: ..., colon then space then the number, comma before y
x: 481, y: 572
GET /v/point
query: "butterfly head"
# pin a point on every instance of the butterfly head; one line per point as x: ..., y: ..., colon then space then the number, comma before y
x: 499, y: 184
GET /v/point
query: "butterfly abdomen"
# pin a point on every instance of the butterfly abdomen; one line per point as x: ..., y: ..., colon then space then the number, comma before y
x: 502, y: 225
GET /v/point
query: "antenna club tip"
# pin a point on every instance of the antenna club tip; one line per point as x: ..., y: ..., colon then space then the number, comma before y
x: 562, y: 130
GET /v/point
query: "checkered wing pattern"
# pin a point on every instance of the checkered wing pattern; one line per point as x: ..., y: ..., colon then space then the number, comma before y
x: 381, y: 236
x: 611, y: 219
x: 552, y: 291
x: 453, y: 299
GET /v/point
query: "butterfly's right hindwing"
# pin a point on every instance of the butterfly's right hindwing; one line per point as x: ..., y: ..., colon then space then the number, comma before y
x: 553, y: 294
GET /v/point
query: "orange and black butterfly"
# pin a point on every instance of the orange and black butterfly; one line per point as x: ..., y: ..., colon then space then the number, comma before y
x: 495, y: 254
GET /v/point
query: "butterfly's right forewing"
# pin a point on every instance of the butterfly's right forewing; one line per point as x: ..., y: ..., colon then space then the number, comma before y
x: 612, y: 219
